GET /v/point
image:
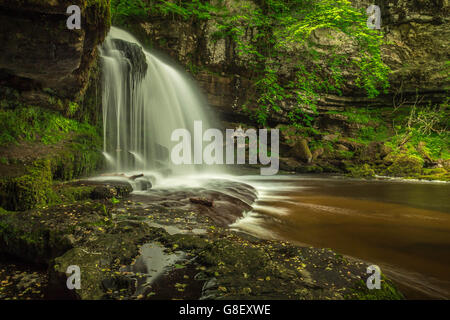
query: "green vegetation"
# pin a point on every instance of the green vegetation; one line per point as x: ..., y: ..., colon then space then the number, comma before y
x: 126, y: 10
x: 409, y: 142
x: 66, y: 149
x: 280, y: 28
x: 286, y: 26
x: 37, y: 124
x: 387, y: 292
x: 364, y: 171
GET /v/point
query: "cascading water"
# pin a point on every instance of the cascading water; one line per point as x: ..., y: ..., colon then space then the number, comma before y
x: 144, y: 100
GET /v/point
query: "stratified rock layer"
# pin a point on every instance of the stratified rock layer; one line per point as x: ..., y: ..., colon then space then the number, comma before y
x: 39, y: 51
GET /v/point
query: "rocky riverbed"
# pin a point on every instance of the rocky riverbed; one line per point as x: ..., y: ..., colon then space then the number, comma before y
x: 165, y: 244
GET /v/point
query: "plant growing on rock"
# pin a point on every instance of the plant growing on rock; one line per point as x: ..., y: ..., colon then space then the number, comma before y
x: 272, y: 35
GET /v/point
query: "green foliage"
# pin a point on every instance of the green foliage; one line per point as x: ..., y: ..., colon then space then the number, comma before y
x: 124, y: 10
x: 388, y: 291
x: 283, y: 26
x: 277, y: 28
x: 424, y: 131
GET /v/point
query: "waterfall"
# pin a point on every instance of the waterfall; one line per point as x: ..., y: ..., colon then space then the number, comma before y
x: 144, y: 100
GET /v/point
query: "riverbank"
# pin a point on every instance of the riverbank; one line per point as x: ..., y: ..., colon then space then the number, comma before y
x: 130, y: 248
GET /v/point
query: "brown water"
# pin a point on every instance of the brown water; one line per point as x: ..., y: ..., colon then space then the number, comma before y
x: 404, y: 227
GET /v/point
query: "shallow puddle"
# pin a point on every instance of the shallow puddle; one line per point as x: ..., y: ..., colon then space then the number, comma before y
x: 152, y: 262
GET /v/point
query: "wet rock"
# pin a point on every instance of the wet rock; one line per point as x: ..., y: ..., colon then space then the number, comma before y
x: 209, y: 290
x: 202, y: 201
x: 107, y: 189
x: 143, y: 184
x: 110, y: 250
x: 374, y: 151
x: 135, y: 55
x: 103, y: 192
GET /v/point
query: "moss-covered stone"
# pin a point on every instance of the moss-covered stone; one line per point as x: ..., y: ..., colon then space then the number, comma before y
x: 30, y: 240
x: 29, y: 190
x: 29, y: 185
x: 363, y: 171
x: 404, y: 165
x: 388, y: 291
x: 435, y: 174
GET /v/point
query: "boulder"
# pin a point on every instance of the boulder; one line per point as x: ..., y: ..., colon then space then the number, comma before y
x: 301, y: 151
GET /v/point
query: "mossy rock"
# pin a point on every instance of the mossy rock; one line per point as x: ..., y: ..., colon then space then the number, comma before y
x: 301, y: 151
x: 27, y: 184
x: 29, y: 190
x: 72, y: 194
x: 364, y: 171
x: 388, y: 291
x: 435, y: 174
x: 30, y: 241
x: 404, y: 165
x: 101, y: 259
x: 34, y: 187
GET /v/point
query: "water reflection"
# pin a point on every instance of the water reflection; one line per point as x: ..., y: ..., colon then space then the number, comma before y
x: 404, y: 227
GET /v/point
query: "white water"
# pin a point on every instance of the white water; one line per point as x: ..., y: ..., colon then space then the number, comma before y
x: 139, y: 115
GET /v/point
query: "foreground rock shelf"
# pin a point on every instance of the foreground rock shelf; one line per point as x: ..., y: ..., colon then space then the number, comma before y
x: 116, y: 246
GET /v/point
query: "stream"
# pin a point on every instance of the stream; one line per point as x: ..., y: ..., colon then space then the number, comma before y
x: 403, y: 227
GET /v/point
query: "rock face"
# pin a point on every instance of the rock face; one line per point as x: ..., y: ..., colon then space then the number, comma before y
x: 417, y: 53
x: 43, y: 64
x: 39, y: 51
x: 417, y: 33
x: 135, y: 55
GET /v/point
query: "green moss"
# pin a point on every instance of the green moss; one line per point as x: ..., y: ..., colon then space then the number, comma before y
x: 72, y: 194
x: 404, y: 165
x: 435, y: 174
x: 34, y: 187
x: 29, y: 190
x: 388, y: 291
x: 30, y: 241
x: 364, y: 171
x: 37, y: 124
